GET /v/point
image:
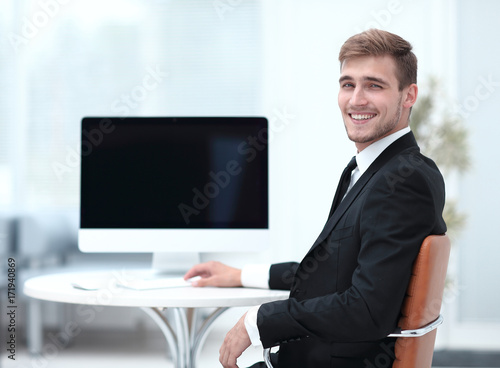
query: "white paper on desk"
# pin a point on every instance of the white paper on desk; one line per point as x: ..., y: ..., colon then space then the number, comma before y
x: 156, y: 283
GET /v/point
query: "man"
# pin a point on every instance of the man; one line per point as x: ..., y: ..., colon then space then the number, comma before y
x: 346, y: 294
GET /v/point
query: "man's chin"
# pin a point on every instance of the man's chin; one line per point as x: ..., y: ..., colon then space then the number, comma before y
x: 358, y: 138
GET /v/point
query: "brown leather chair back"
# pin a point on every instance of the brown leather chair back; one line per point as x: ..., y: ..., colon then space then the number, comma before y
x: 422, y: 303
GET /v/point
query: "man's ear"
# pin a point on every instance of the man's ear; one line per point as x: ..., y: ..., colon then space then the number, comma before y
x: 411, y: 95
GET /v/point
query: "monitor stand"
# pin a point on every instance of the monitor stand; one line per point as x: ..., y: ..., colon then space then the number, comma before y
x: 174, y: 263
x: 167, y: 271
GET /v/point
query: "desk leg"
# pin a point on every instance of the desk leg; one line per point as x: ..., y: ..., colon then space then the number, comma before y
x: 184, y: 344
x: 162, y: 322
x: 192, y: 315
x: 182, y: 337
x: 199, y: 337
x: 34, y: 326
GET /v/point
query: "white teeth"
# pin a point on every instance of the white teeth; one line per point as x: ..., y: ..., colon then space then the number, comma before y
x: 361, y: 117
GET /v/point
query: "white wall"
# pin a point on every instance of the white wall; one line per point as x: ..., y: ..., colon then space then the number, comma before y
x: 476, y: 302
x: 479, y: 95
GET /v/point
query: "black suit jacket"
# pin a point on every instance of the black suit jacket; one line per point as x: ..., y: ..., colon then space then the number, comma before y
x: 346, y: 294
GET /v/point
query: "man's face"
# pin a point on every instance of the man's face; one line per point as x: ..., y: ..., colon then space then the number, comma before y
x: 370, y: 101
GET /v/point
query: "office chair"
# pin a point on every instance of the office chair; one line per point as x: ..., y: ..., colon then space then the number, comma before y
x: 416, y: 332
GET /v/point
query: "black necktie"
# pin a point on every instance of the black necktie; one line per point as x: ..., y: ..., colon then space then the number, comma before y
x: 345, y: 180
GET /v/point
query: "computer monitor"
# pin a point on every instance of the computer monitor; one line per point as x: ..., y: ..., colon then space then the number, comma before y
x: 174, y: 184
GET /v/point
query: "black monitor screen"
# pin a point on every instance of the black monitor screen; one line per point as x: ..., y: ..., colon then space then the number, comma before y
x: 184, y: 172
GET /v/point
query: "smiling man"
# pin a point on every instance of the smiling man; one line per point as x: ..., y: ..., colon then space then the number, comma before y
x: 346, y: 294
x: 373, y: 102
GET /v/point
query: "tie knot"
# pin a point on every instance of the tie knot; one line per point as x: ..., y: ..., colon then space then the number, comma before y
x: 352, y: 164
x: 343, y: 186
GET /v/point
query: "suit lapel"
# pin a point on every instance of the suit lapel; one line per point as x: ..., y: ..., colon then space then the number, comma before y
x: 403, y: 143
x: 343, y: 206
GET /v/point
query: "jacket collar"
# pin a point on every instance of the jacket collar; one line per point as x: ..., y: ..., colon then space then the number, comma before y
x: 405, y: 142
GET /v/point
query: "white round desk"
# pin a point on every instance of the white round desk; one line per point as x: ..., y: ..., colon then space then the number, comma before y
x: 103, y: 288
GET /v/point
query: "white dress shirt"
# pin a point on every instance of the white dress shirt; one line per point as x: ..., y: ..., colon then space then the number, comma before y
x: 258, y: 275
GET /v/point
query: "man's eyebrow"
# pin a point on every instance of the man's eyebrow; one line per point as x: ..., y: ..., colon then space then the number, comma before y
x: 370, y: 79
x: 344, y: 78
x: 375, y: 79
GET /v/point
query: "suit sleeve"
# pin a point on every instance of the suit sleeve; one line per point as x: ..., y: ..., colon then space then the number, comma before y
x: 394, y: 221
x: 281, y: 275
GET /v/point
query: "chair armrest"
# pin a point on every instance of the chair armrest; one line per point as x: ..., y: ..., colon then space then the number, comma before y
x: 402, y: 333
x: 419, y: 331
x: 267, y: 358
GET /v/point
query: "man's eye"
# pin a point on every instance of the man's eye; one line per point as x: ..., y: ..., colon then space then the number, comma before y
x: 348, y: 85
x: 375, y: 86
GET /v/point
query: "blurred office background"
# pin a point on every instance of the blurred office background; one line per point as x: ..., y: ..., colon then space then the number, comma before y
x: 62, y: 60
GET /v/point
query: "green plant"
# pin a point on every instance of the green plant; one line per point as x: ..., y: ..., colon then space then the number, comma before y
x: 442, y: 136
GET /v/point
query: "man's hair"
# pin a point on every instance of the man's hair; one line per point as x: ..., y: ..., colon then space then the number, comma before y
x: 375, y: 42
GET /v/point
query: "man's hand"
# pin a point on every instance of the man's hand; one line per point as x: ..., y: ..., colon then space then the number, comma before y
x: 235, y: 343
x: 215, y: 274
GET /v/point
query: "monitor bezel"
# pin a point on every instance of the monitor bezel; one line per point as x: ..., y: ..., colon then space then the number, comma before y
x: 146, y: 240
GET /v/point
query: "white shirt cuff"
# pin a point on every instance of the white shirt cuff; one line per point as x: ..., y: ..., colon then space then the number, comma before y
x: 251, y: 325
x: 256, y: 276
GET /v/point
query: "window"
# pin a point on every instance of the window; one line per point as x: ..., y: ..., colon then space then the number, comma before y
x: 63, y: 60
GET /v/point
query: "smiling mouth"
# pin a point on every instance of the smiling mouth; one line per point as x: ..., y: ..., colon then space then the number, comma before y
x: 362, y: 117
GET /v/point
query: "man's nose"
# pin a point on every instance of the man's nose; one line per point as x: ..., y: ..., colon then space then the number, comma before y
x: 358, y: 97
